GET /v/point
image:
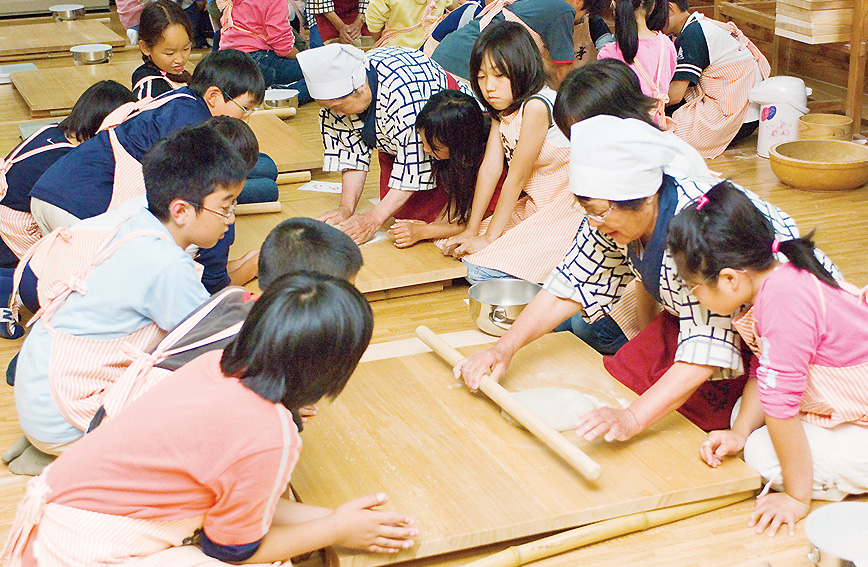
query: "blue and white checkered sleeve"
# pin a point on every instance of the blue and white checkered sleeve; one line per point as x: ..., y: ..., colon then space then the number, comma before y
x: 342, y: 143
x: 593, y: 273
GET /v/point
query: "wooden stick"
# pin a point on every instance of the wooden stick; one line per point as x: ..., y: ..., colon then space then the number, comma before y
x: 607, y: 529
x: 287, y: 112
x: 258, y: 208
x: 293, y: 177
x: 554, y: 440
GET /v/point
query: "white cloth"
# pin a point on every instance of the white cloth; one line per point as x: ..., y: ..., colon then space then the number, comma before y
x: 332, y: 71
x: 619, y: 159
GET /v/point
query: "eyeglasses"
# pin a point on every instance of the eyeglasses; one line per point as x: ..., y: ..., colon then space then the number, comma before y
x: 227, y: 213
x: 601, y: 217
x: 245, y: 112
x: 692, y: 289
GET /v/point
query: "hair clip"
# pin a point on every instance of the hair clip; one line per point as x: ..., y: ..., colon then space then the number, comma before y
x: 701, y: 202
x: 776, y: 245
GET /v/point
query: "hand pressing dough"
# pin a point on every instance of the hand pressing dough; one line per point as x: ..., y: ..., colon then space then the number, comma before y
x: 558, y: 407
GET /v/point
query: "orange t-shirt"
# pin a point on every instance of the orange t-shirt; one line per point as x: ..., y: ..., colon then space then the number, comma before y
x: 196, y: 443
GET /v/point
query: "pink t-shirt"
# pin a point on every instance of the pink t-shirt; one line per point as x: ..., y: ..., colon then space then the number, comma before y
x: 795, y: 333
x: 648, y: 56
x: 196, y: 443
x: 129, y: 12
x: 268, y: 22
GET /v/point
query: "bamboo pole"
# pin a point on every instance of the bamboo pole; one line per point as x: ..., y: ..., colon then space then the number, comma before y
x: 569, y: 540
x: 551, y: 438
x: 293, y: 177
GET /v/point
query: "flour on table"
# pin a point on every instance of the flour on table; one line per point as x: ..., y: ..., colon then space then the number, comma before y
x: 558, y: 407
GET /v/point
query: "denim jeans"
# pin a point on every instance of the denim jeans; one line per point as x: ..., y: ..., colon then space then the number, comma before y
x: 603, y: 335
x: 477, y: 274
x: 282, y: 71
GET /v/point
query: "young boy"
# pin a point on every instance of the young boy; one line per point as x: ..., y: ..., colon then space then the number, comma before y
x: 102, y: 173
x: 295, y: 244
x: 140, y: 283
x: 717, y: 67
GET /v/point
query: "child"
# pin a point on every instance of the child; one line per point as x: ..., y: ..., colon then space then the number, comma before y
x: 129, y: 13
x: 261, y: 28
x: 295, y: 244
x: 102, y: 173
x: 809, y: 400
x: 717, y: 67
x: 534, y: 220
x: 206, y: 455
x: 99, y: 308
x: 454, y: 132
x: 649, y: 52
x: 403, y: 22
x: 165, y: 39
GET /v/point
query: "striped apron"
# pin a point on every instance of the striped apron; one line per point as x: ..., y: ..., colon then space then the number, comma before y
x: 17, y: 228
x: 833, y: 395
x: 81, y: 369
x: 658, y: 113
x: 715, y: 108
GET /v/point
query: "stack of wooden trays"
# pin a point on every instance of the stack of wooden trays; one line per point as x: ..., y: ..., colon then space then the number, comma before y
x: 814, y: 21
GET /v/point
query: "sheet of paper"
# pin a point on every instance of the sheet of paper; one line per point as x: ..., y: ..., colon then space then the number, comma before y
x: 322, y: 187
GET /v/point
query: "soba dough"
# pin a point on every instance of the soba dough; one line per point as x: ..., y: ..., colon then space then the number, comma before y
x: 558, y: 407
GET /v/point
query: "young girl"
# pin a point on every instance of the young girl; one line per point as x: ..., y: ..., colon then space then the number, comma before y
x: 803, y: 421
x: 26, y: 164
x: 649, y: 52
x: 170, y: 491
x: 165, y: 38
x: 534, y: 220
x: 403, y: 23
x: 454, y: 132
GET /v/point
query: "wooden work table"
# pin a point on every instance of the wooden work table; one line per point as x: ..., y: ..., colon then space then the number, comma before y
x: 447, y: 458
x: 32, y: 41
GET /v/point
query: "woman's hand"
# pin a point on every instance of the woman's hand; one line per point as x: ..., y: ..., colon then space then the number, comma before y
x: 776, y: 509
x: 474, y: 367
x: 336, y: 216
x: 719, y: 444
x: 614, y: 424
x: 359, y: 526
x: 360, y: 228
x: 406, y: 232
x: 354, y: 30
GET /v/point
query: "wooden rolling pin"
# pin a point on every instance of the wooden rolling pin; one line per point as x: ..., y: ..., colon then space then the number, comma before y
x: 258, y: 208
x: 554, y: 440
x: 293, y: 177
x: 287, y: 112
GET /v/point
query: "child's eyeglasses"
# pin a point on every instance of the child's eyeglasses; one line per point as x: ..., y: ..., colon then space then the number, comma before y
x: 227, y: 213
x: 245, y: 112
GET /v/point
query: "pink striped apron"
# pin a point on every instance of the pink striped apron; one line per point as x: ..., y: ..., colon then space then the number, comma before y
x: 141, y: 375
x: 715, y: 108
x: 833, y: 395
x: 81, y: 369
x: 658, y: 113
x: 129, y: 182
x: 17, y: 228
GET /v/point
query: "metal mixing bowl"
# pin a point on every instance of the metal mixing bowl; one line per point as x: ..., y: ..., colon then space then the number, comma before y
x: 91, y: 53
x: 67, y: 12
x: 495, y: 304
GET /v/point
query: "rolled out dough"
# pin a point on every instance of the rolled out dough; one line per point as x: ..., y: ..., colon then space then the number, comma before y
x: 558, y: 407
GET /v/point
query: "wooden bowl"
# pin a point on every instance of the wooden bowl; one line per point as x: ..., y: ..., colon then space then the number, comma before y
x: 820, y: 165
x: 824, y: 127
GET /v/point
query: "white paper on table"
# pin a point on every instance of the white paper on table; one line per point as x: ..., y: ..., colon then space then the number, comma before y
x: 322, y: 187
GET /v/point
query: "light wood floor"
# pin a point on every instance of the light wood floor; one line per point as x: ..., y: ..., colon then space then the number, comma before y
x: 714, y: 539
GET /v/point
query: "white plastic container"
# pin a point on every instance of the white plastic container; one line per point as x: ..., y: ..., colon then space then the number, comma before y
x: 782, y: 101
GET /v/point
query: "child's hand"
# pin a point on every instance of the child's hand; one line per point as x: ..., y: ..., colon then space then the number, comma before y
x: 306, y: 412
x: 773, y: 510
x: 719, y: 444
x: 359, y: 526
x: 470, y: 246
x: 405, y: 232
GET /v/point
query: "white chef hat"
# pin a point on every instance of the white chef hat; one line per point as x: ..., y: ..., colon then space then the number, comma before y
x: 332, y: 71
x: 618, y: 159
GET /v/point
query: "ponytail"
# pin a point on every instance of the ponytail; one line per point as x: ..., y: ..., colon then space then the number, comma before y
x: 723, y: 229
x: 626, y: 30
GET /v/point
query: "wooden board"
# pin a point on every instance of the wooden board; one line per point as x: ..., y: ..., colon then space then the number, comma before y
x: 282, y: 142
x: 386, y: 267
x: 54, y: 91
x: 446, y: 457
x: 34, y: 40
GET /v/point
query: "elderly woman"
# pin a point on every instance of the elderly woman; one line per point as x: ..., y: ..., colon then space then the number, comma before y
x: 688, y: 357
x: 370, y: 101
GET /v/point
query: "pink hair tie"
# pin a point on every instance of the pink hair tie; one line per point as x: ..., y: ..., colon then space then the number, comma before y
x: 776, y: 245
x: 701, y: 202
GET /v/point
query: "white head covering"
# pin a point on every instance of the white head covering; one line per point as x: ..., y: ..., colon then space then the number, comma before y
x: 332, y: 71
x: 618, y: 159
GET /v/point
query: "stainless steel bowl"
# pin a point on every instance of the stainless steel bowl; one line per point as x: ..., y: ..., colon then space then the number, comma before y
x: 66, y: 12
x: 837, y: 534
x: 281, y: 98
x: 91, y: 53
x: 496, y: 304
